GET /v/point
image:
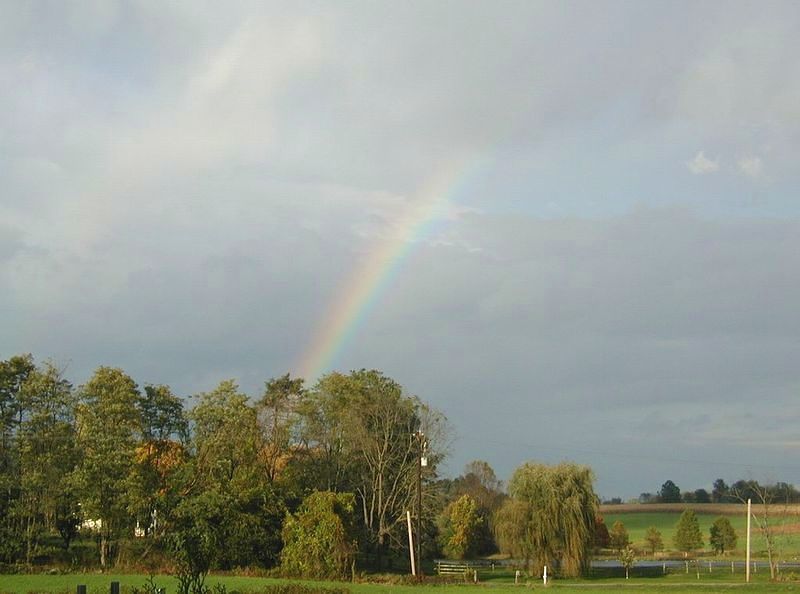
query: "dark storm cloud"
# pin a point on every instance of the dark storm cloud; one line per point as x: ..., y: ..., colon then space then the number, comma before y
x: 186, y: 188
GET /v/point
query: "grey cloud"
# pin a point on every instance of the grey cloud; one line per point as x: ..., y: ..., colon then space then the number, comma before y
x: 188, y: 187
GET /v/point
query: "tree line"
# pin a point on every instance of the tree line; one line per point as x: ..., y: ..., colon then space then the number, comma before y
x: 313, y: 481
x: 721, y: 492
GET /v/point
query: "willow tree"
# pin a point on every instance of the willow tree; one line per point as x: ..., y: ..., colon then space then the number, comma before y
x: 550, y: 517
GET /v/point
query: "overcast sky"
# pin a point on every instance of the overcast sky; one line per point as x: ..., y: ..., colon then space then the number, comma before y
x: 185, y: 187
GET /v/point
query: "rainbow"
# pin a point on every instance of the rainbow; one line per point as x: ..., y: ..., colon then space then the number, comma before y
x: 363, y: 288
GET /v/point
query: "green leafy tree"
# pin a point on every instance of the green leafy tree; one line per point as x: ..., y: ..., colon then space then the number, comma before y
x: 195, y: 538
x: 550, y: 520
x: 109, y: 427
x: 46, y: 441
x: 13, y: 373
x: 669, y: 493
x: 618, y: 536
x: 687, y: 532
x: 319, y: 541
x: 722, y: 535
x: 160, y: 455
x: 720, y: 492
x: 481, y: 484
x: 654, y: 540
x: 227, y: 446
x: 702, y: 496
x: 360, y: 429
x: 279, y: 419
x: 227, y: 439
x: 462, y: 528
x: 251, y: 534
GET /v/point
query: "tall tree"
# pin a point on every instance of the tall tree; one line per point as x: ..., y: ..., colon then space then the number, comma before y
x: 722, y: 536
x: 462, y: 528
x: 227, y: 439
x: 46, y: 439
x: 480, y: 482
x: 363, y: 425
x: 109, y: 427
x: 13, y: 373
x: 159, y: 456
x: 669, y: 493
x: 687, y: 532
x: 278, y: 414
x: 555, y: 511
x: 653, y: 539
x: 618, y: 536
x: 720, y: 491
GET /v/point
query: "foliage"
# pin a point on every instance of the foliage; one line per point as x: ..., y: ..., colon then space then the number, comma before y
x: 480, y: 483
x: 654, y: 540
x: 669, y: 493
x: 361, y: 429
x: 720, y: 491
x: 602, y: 539
x: 319, y: 540
x: 618, y: 536
x: 722, y: 536
x: 226, y: 437
x: 627, y: 558
x: 108, y: 427
x: 279, y: 419
x: 551, y: 519
x: 46, y: 453
x: 462, y: 530
x: 687, y: 532
x: 195, y: 538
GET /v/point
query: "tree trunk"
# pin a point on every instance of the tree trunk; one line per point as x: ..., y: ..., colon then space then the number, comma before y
x: 103, y: 548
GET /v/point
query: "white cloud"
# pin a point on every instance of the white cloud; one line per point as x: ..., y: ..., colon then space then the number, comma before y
x: 702, y: 164
x: 751, y: 166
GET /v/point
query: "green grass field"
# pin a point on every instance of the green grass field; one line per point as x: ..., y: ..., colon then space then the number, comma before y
x: 99, y: 584
x: 787, y: 541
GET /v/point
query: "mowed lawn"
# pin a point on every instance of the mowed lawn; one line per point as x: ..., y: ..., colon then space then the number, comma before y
x: 99, y: 584
x: 787, y: 530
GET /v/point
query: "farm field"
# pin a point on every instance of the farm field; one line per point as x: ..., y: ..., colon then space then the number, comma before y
x: 787, y: 527
x: 99, y: 584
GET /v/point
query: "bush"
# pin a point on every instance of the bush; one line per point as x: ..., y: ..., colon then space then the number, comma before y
x: 319, y: 540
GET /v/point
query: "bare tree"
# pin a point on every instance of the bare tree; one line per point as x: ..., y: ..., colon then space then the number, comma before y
x: 764, y: 518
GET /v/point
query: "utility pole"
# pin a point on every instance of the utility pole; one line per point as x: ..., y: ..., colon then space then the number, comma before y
x: 421, y: 461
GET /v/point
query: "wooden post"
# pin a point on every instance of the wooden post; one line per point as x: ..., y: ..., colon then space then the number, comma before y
x: 747, y: 562
x: 411, y: 544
